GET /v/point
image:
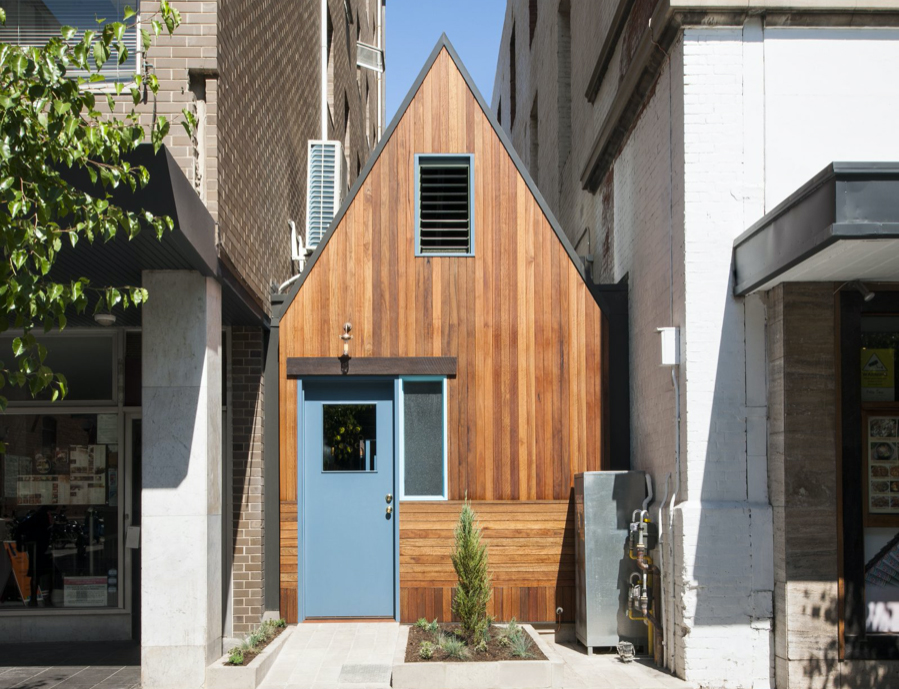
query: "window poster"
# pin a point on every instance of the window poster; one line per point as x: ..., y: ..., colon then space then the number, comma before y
x: 883, y: 465
x: 878, y: 375
x: 881, y: 580
x: 13, y: 465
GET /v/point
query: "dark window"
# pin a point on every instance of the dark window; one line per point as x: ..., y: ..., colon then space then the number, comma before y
x: 532, y: 19
x: 534, y: 134
x: 444, y: 205
x: 86, y: 361
x: 512, y: 79
x: 564, y: 82
x: 499, y: 112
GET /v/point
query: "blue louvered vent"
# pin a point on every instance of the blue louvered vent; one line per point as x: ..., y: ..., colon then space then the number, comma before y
x: 323, y: 186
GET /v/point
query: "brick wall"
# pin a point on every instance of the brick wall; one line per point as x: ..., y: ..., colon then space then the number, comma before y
x: 248, y: 491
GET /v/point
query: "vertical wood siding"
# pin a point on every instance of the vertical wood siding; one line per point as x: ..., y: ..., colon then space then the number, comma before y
x: 525, y: 410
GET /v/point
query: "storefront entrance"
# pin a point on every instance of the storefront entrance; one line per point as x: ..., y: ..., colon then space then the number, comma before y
x: 348, y: 488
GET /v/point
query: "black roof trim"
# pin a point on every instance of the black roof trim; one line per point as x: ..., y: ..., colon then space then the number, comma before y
x: 845, y: 201
x: 442, y: 42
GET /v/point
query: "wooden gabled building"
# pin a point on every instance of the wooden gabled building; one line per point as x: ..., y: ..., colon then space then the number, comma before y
x: 478, y: 367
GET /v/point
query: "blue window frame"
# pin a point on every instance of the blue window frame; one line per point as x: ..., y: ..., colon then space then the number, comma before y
x: 422, y: 438
x: 444, y: 204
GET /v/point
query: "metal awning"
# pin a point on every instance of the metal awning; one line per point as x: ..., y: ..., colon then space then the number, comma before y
x: 191, y: 245
x: 841, y: 225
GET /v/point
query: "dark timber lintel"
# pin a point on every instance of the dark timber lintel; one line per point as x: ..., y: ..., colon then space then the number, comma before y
x: 301, y: 367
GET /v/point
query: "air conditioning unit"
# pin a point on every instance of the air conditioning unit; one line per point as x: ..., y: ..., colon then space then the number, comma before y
x: 369, y: 57
x: 324, y: 183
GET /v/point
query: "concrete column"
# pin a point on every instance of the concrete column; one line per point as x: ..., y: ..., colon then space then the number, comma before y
x: 181, y: 539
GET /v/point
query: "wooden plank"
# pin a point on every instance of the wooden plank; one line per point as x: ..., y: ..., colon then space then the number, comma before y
x: 301, y: 367
x: 520, y: 326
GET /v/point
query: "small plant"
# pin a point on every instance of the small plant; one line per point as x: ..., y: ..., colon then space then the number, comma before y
x: 441, y: 638
x: 470, y: 562
x: 422, y: 623
x: 279, y: 623
x: 504, y: 641
x: 454, y: 647
x: 433, y: 627
x: 513, y: 629
x: 235, y: 657
x: 481, y: 647
x: 521, y: 646
x: 426, y: 650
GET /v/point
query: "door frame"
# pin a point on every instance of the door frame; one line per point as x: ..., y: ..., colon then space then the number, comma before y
x: 301, y: 496
x: 126, y: 491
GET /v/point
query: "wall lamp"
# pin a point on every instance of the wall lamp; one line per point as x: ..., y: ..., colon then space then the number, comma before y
x: 860, y: 287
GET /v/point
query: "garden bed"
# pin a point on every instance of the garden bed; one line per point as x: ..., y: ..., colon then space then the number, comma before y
x: 250, y: 675
x: 500, y: 645
x: 478, y: 672
x: 257, y: 649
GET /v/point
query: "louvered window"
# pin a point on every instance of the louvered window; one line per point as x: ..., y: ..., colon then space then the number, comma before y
x: 34, y: 22
x: 323, y: 186
x: 444, y: 205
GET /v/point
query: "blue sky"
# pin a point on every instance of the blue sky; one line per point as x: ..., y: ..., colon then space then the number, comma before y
x: 413, y: 27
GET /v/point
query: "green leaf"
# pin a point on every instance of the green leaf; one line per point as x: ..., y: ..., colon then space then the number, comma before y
x: 128, y: 13
x: 6, y: 183
x: 18, y: 348
x: 61, y: 107
x: 146, y: 40
x: 101, y: 54
x: 67, y: 32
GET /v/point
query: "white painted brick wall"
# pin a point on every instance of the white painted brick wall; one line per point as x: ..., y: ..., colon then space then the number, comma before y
x: 725, y: 535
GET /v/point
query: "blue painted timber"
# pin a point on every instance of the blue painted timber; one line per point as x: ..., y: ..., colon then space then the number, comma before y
x: 350, y: 558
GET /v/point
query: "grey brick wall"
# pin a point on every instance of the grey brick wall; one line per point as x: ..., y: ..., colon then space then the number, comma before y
x: 248, y: 491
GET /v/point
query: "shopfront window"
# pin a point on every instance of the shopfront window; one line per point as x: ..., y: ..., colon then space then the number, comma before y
x: 880, y: 481
x: 60, y: 478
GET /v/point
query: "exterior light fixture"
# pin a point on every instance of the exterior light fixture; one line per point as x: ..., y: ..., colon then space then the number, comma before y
x: 345, y: 359
x: 670, y: 345
x: 105, y: 319
x: 867, y: 294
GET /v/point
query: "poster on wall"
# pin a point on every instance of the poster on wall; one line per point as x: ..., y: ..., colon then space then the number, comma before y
x: 883, y: 465
x: 878, y: 375
x: 107, y: 429
x: 84, y: 592
x: 882, y: 586
x: 13, y: 465
x: 87, y: 459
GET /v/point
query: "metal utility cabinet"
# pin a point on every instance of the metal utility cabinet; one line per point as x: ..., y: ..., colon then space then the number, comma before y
x: 604, y: 502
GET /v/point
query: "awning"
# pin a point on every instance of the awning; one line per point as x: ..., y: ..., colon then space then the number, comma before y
x: 189, y: 246
x: 841, y: 225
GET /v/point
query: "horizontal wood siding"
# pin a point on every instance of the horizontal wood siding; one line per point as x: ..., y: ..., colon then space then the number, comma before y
x: 530, y: 549
x: 289, y: 560
x: 525, y: 408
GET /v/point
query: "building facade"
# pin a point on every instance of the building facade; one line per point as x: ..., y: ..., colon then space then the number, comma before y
x: 659, y: 132
x: 157, y: 458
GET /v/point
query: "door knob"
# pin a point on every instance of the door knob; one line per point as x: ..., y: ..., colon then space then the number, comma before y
x: 389, y: 498
x: 389, y: 510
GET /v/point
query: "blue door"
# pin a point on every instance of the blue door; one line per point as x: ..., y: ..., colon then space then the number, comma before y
x: 348, y: 494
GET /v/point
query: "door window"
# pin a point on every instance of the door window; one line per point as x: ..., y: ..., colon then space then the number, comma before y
x: 349, y: 440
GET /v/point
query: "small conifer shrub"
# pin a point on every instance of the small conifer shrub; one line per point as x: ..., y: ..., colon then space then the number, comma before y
x: 470, y: 562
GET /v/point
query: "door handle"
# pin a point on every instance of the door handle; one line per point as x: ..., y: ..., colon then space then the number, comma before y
x: 389, y: 498
x: 389, y: 510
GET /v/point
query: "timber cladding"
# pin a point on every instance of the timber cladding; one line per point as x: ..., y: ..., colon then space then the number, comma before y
x: 526, y: 404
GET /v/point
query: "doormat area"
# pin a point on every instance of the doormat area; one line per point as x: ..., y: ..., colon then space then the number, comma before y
x: 365, y: 673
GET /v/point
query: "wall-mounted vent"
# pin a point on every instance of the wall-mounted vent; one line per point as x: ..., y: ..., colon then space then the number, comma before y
x: 324, y: 182
x: 369, y: 57
x: 443, y: 203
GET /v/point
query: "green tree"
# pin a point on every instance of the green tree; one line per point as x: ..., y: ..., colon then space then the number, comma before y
x: 51, y: 121
x: 470, y: 562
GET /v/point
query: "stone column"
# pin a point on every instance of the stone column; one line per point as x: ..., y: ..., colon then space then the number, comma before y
x: 181, y: 539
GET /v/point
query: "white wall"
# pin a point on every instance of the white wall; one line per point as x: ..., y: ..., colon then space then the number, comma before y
x: 830, y: 94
